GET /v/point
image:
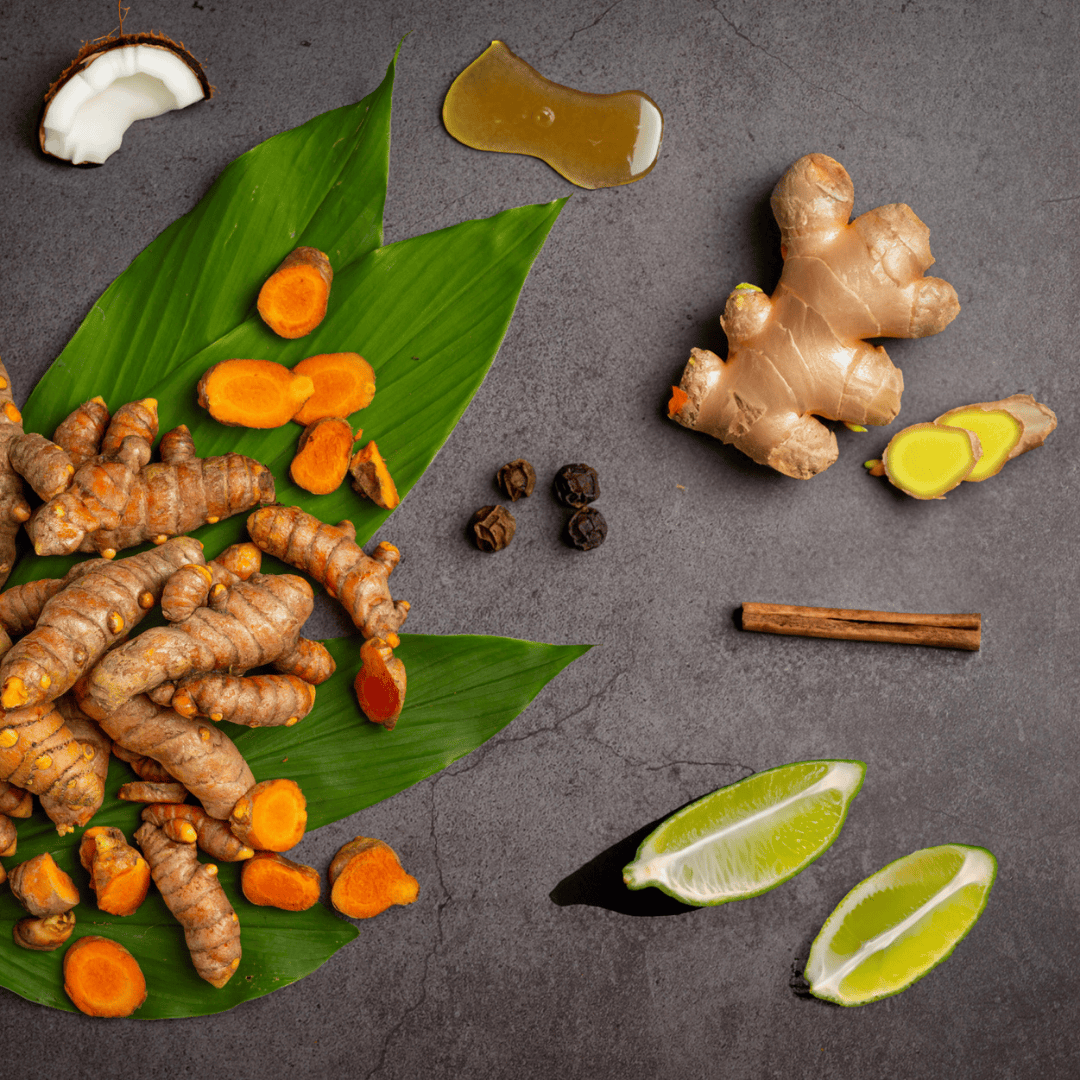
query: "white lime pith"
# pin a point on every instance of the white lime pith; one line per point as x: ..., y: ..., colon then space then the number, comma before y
x: 749, y: 837
x: 899, y: 924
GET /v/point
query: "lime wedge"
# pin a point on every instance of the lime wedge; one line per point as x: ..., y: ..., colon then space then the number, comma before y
x: 897, y: 925
x: 749, y: 837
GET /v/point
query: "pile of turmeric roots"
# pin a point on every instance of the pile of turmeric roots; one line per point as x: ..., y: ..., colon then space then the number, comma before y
x: 78, y: 685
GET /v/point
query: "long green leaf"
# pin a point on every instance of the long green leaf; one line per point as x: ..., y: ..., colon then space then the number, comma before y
x: 462, y: 690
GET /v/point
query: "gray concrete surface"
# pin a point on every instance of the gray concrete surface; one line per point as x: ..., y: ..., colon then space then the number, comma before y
x: 522, y: 957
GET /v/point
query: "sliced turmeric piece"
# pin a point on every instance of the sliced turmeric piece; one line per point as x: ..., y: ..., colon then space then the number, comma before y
x: 271, y: 880
x: 189, y: 824
x: 251, y: 700
x: 102, y: 978
x: 380, y: 683
x: 366, y: 877
x: 344, y: 383
x: 119, y: 875
x: 42, y: 887
x: 322, y: 457
x: 293, y: 299
x: 43, y: 935
x: 271, y: 816
x: 253, y: 393
x: 372, y: 478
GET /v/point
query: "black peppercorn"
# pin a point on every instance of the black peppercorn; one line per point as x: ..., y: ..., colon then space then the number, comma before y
x: 586, y: 529
x: 492, y: 528
x: 577, y: 485
x: 517, y: 479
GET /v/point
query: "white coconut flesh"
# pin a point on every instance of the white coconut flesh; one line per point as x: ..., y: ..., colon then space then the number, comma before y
x: 86, y: 120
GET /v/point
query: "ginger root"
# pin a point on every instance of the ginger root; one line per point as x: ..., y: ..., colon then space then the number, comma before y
x: 344, y: 384
x: 194, y: 895
x: 322, y: 456
x: 253, y: 393
x: 293, y: 299
x: 102, y: 978
x: 802, y: 353
x: 44, y: 935
x: 371, y: 478
x: 972, y: 443
x: 271, y: 880
x: 366, y: 877
x: 271, y: 816
x: 119, y: 875
x: 42, y: 887
x: 380, y: 683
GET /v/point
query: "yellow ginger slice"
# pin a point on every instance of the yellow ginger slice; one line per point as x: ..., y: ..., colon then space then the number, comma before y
x: 926, y: 460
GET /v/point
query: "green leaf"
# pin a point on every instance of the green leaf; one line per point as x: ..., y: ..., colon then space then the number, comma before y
x: 462, y: 690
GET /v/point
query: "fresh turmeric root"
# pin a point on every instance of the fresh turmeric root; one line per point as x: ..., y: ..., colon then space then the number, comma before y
x: 802, y: 353
x: 145, y: 768
x: 119, y: 875
x: 371, y: 477
x: 14, y: 509
x: 331, y: 556
x: 189, y: 824
x: 15, y: 802
x: 194, y: 895
x: 344, y: 384
x: 271, y: 880
x: 192, y: 586
x: 80, y: 433
x: 44, y: 935
x: 272, y: 816
x: 366, y: 878
x: 293, y: 299
x: 9, y: 837
x: 308, y: 660
x: 253, y: 393
x: 322, y: 457
x: 251, y: 700
x: 42, y: 887
x: 102, y: 978
x: 153, y: 791
x: 380, y: 683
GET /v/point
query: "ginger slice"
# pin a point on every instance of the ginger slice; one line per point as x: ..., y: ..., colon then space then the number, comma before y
x: 44, y: 935
x: 119, y: 875
x: 366, y: 877
x: 927, y: 460
x: 293, y: 299
x: 42, y: 887
x: 253, y: 393
x: 322, y: 457
x: 271, y: 880
x: 271, y: 816
x: 102, y: 978
x: 380, y: 683
x: 372, y: 478
x: 1006, y: 429
x: 344, y: 383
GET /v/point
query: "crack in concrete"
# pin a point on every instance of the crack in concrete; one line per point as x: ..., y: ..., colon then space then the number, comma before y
x: 783, y: 63
x: 581, y: 29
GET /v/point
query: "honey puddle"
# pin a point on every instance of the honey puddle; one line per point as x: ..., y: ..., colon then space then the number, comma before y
x: 594, y: 140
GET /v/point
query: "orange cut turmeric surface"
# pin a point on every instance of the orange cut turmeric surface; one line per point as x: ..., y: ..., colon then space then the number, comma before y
x: 42, y: 887
x: 322, y: 458
x: 344, y: 382
x: 271, y: 880
x: 366, y: 877
x: 380, y: 683
x: 272, y: 816
x: 293, y: 300
x: 372, y: 478
x: 253, y: 393
x: 102, y: 978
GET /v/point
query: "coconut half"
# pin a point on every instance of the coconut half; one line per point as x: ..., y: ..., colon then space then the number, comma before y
x: 111, y: 84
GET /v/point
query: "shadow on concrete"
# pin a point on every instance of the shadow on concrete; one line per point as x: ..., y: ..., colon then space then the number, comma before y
x: 599, y: 883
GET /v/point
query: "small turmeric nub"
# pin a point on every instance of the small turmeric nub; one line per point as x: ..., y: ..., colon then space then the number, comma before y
x: 102, y: 978
x: 293, y: 299
x: 322, y: 457
x: 371, y: 477
x: 679, y: 397
x: 42, y: 887
x: 380, y: 683
x: 253, y: 393
x: 344, y: 383
x: 271, y: 880
x: 43, y: 935
x: 366, y: 877
x: 272, y: 816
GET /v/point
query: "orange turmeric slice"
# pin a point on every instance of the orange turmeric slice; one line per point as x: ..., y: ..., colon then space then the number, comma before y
x: 272, y: 816
x: 366, y: 877
x: 119, y: 875
x: 102, y: 978
x: 271, y: 880
x: 344, y: 382
x: 380, y: 683
x: 253, y: 393
x: 322, y: 458
x: 372, y: 478
x: 293, y: 299
x: 42, y: 887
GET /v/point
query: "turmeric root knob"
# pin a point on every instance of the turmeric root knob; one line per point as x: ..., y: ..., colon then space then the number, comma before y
x: 380, y: 683
x: 271, y: 880
x: 272, y: 816
x: 253, y: 393
x: 43, y: 935
x: 293, y: 299
x: 322, y: 457
x: 366, y: 877
x: 102, y: 978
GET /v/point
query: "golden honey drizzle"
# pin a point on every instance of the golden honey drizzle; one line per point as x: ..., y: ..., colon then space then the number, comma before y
x: 594, y: 140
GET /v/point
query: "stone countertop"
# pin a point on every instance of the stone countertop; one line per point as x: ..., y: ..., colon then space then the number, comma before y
x: 523, y: 956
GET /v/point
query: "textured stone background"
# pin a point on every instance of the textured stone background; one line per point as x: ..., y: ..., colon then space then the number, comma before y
x: 523, y: 955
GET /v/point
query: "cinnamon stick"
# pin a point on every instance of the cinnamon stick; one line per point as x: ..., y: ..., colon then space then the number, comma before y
x: 961, y: 631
